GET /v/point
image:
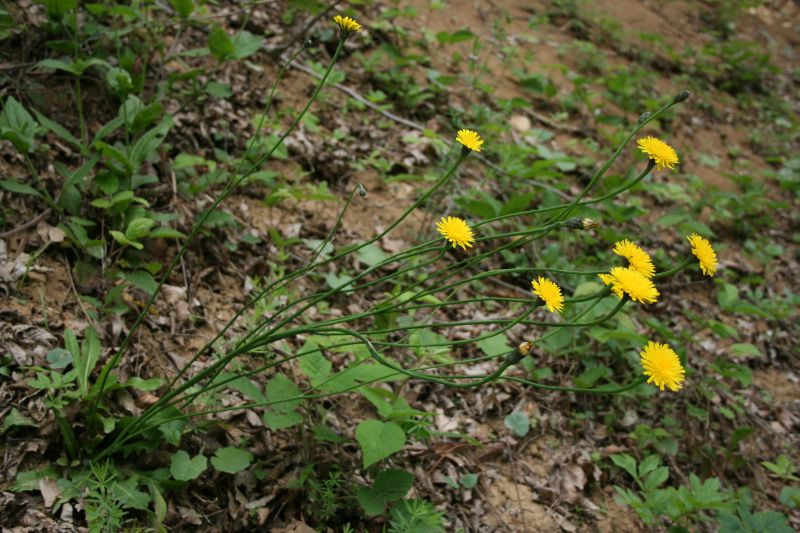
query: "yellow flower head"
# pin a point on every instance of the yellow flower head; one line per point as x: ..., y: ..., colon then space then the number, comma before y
x: 347, y: 25
x: 639, y: 287
x: 660, y: 152
x: 704, y: 253
x: 550, y: 293
x: 638, y: 259
x: 470, y: 139
x: 456, y: 231
x: 662, y: 366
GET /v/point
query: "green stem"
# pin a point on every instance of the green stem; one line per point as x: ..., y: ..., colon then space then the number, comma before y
x: 39, y: 185
x: 596, y: 390
x: 196, y: 229
x: 81, y: 120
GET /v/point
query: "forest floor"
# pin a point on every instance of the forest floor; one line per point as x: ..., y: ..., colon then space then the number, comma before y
x: 560, y: 81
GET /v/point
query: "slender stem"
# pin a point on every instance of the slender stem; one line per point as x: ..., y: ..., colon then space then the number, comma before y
x: 196, y: 229
x: 81, y: 120
x: 595, y: 390
x: 39, y: 185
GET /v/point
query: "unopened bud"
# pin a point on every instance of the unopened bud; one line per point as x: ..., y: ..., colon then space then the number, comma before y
x: 520, y: 353
x: 681, y: 96
x: 362, y: 192
x: 581, y: 223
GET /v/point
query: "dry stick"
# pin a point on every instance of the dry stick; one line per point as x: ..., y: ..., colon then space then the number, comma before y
x: 419, y: 127
x: 32, y: 222
x: 75, y: 292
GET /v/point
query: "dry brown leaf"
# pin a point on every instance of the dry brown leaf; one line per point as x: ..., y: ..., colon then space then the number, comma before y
x: 50, y: 491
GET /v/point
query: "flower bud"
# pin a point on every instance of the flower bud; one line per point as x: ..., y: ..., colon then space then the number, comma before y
x: 681, y: 96
x: 581, y: 223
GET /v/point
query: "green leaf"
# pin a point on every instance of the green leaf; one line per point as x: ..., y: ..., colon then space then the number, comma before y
x: 326, y: 434
x: 276, y: 420
x: 649, y: 464
x: 656, y: 478
x: 112, y: 153
x: 452, y: 38
x: 16, y: 419
x: 141, y: 279
x: 139, y: 228
x: 379, y: 440
x: 57, y: 64
x: 184, y: 8
x: 160, y: 507
x: 246, y: 386
x: 219, y: 90
x: 371, y: 255
x: 145, y: 385
x: 494, y: 345
x: 122, y: 239
x: 391, y: 485
x: 743, y: 349
x: 245, y: 44
x: 185, y: 468
x: 166, y: 233
x: 119, y: 80
x: 283, y: 390
x: 589, y: 377
x: 220, y: 44
x: 59, y: 358
x: 727, y: 296
x: 109, y: 128
x: 84, y: 359
x: 29, y: 480
x: 58, y: 8
x: 468, y: 481
x: 77, y: 177
x: 518, y: 422
x: 626, y: 462
x: 146, y: 116
x: 790, y: 497
x: 57, y: 129
x: 372, y: 505
x: 19, y: 188
x: 314, y: 364
x: 149, y: 143
x: 128, y: 494
x: 17, y: 125
x: 427, y: 339
x: 231, y: 460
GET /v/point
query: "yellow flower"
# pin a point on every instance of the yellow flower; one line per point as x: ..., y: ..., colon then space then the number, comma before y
x: 347, y: 24
x: 470, y: 139
x: 660, y: 152
x: 456, y: 231
x: 662, y: 366
x: 704, y: 253
x: 550, y: 293
x: 608, y: 279
x: 639, y: 287
x: 638, y: 259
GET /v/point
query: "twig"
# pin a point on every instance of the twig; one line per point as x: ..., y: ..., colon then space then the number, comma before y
x: 75, y: 292
x: 575, y: 130
x: 419, y: 127
x: 35, y: 220
x: 516, y: 486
